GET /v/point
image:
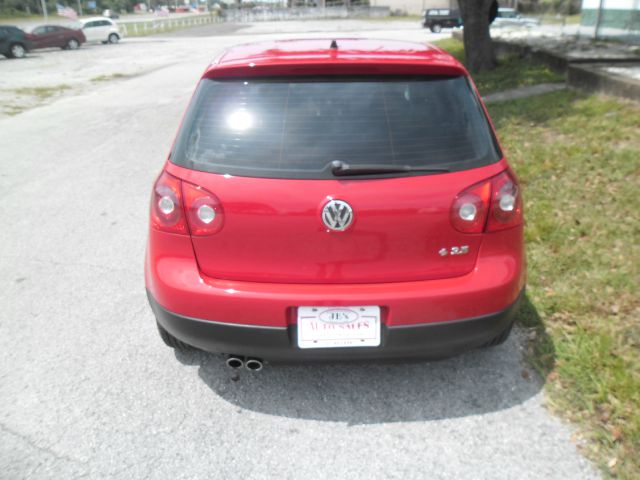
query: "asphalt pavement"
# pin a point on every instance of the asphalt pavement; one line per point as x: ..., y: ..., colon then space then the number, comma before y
x: 87, y: 389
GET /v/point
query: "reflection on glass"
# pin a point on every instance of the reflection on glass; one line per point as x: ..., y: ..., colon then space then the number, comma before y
x: 239, y: 120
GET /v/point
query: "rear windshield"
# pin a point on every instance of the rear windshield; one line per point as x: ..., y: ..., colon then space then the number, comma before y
x: 286, y: 128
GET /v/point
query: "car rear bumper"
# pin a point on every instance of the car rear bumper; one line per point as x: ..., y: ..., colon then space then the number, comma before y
x: 174, y: 280
x: 279, y: 344
x: 435, y: 318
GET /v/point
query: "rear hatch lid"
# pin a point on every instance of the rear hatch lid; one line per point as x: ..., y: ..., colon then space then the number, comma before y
x: 268, y: 148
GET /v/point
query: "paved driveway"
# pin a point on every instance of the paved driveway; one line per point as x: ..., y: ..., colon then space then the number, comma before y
x: 87, y: 389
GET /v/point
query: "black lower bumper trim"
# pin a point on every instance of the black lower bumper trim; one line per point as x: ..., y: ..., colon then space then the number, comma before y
x: 431, y: 340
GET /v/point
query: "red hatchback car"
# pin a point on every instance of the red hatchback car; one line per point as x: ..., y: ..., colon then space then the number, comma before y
x: 331, y: 200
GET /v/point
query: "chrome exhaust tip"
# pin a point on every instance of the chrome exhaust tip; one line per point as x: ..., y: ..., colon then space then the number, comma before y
x: 254, y: 364
x: 235, y: 362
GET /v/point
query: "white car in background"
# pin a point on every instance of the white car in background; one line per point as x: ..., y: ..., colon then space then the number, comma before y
x: 101, y: 29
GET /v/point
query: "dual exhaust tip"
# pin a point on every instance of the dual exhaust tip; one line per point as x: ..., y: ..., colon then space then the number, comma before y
x: 252, y: 364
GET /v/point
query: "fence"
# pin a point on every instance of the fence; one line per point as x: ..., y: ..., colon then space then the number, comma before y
x: 247, y: 15
x: 611, y: 23
x: 158, y: 25
x: 244, y: 15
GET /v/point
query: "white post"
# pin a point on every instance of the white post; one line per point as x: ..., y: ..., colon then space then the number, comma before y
x: 598, y: 20
x: 44, y: 10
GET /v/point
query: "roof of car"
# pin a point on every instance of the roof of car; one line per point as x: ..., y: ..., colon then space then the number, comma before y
x: 91, y: 19
x: 50, y: 25
x: 316, y: 56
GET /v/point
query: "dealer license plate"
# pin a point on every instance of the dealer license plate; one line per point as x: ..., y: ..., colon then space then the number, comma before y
x: 335, y: 327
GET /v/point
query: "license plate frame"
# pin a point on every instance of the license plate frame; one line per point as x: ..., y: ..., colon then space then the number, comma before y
x: 339, y: 327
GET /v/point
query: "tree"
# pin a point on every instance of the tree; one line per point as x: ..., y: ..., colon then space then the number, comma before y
x: 478, y: 49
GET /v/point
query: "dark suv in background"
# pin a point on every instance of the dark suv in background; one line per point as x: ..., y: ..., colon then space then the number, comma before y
x: 14, y: 43
x: 438, y: 18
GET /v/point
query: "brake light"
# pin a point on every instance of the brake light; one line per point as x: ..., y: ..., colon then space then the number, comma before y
x: 469, y: 209
x: 182, y: 207
x: 166, y: 205
x: 495, y: 204
x: 204, y: 211
x: 506, y: 203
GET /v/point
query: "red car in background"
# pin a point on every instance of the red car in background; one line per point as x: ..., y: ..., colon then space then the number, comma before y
x: 56, y: 36
x: 335, y: 200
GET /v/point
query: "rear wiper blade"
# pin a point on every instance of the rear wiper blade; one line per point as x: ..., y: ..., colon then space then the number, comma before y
x: 340, y: 169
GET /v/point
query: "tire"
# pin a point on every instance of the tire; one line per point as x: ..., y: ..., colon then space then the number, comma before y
x: 72, y: 44
x: 113, y: 38
x: 500, y: 338
x: 17, y: 50
x: 171, y: 341
x: 436, y: 28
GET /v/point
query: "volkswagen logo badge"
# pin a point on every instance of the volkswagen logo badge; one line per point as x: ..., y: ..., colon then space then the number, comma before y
x: 337, y: 215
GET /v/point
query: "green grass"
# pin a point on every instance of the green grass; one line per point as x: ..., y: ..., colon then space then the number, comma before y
x: 111, y: 76
x: 578, y: 158
x: 25, y: 98
x: 548, y: 19
x: 41, y: 93
x: 7, y: 18
x: 13, y: 110
x: 573, y: 19
x: 512, y: 72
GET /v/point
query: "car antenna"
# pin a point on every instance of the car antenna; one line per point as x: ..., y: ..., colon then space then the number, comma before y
x: 334, y: 45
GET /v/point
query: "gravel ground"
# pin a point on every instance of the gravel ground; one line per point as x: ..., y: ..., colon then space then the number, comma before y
x: 46, y: 75
x: 87, y: 389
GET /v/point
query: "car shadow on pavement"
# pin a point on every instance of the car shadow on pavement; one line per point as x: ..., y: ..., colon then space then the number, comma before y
x: 477, y: 382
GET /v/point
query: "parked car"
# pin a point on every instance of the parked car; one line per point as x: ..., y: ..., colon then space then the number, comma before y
x: 110, y: 14
x: 332, y: 201
x: 51, y: 36
x: 101, y: 29
x: 438, y: 18
x: 509, y: 17
x: 14, y: 43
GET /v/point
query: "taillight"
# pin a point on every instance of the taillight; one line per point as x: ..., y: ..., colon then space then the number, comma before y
x: 204, y: 211
x: 166, y: 205
x: 182, y: 207
x: 469, y: 209
x: 495, y: 204
x: 506, y: 203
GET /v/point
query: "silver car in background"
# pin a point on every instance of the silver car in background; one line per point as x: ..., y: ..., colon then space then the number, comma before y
x: 509, y: 17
